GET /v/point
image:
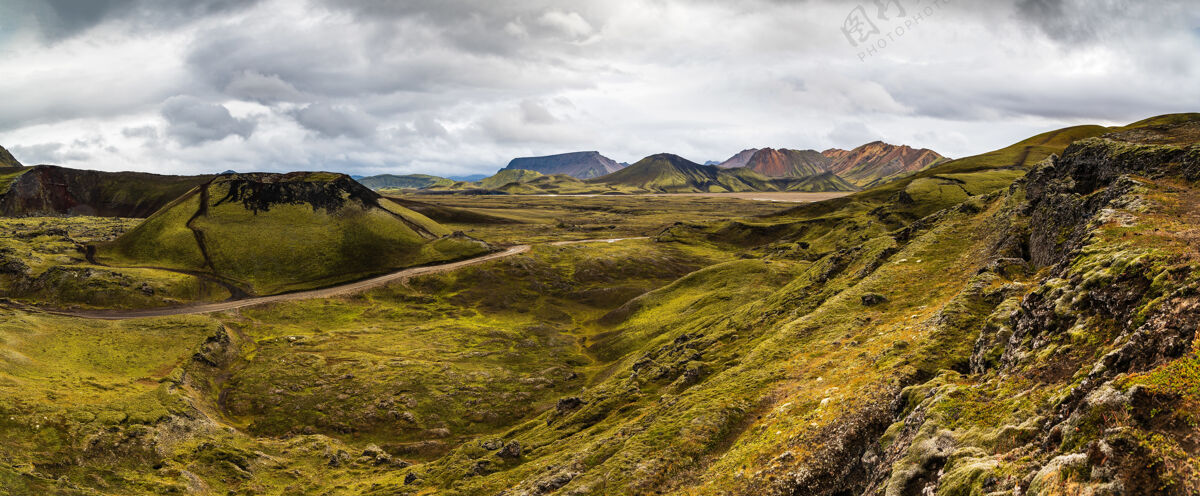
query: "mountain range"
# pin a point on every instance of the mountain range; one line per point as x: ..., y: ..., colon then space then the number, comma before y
x: 753, y: 169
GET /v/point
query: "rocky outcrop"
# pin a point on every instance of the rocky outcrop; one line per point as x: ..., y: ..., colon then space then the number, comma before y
x: 1087, y: 335
x: 581, y: 165
x: 321, y: 190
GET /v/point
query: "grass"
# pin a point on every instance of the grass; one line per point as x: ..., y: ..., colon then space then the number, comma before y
x: 529, y: 219
x: 53, y: 270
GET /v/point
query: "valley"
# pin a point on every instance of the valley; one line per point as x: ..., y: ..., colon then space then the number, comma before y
x: 1021, y: 320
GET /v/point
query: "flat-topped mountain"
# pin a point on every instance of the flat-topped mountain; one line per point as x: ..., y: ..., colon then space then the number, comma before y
x: 582, y: 165
x: 272, y: 233
x: 878, y: 162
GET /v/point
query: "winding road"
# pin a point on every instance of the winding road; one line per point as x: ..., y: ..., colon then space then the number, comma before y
x: 342, y: 289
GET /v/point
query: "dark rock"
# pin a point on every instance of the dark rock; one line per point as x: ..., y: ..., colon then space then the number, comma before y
x: 565, y: 405
x: 481, y: 467
x: 872, y: 299
x: 510, y: 450
x: 13, y: 266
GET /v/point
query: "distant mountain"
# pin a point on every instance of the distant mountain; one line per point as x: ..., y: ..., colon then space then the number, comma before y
x: 467, y: 178
x: 7, y: 159
x: 788, y: 163
x: 407, y: 181
x: 711, y: 162
x: 583, y: 165
x: 525, y: 182
x: 667, y: 173
x: 878, y: 162
x: 738, y: 160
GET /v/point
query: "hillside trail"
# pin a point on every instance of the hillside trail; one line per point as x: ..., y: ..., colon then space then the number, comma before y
x: 341, y: 289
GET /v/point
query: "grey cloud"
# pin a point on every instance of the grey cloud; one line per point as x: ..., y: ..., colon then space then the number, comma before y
x: 430, y: 128
x: 59, y: 19
x: 1085, y: 21
x: 535, y: 113
x: 147, y: 132
x: 333, y: 120
x: 192, y: 121
x: 49, y: 153
x: 251, y: 85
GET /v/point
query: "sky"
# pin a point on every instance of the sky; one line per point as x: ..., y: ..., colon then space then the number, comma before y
x: 454, y: 87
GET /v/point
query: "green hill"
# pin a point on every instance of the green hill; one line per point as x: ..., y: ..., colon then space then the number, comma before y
x: 820, y: 182
x: 408, y: 181
x: 271, y: 233
x: 7, y: 159
x: 505, y: 177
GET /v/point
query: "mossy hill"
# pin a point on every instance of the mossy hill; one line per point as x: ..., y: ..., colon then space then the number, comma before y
x: 54, y: 190
x: 271, y: 233
x: 7, y: 160
x: 409, y: 181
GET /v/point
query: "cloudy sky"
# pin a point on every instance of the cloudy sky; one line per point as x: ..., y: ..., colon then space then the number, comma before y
x: 455, y: 87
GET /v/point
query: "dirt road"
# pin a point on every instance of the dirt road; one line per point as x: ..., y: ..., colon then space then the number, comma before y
x: 348, y: 288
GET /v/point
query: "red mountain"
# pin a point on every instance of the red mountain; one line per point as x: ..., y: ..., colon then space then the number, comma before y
x: 788, y: 163
x: 878, y: 162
